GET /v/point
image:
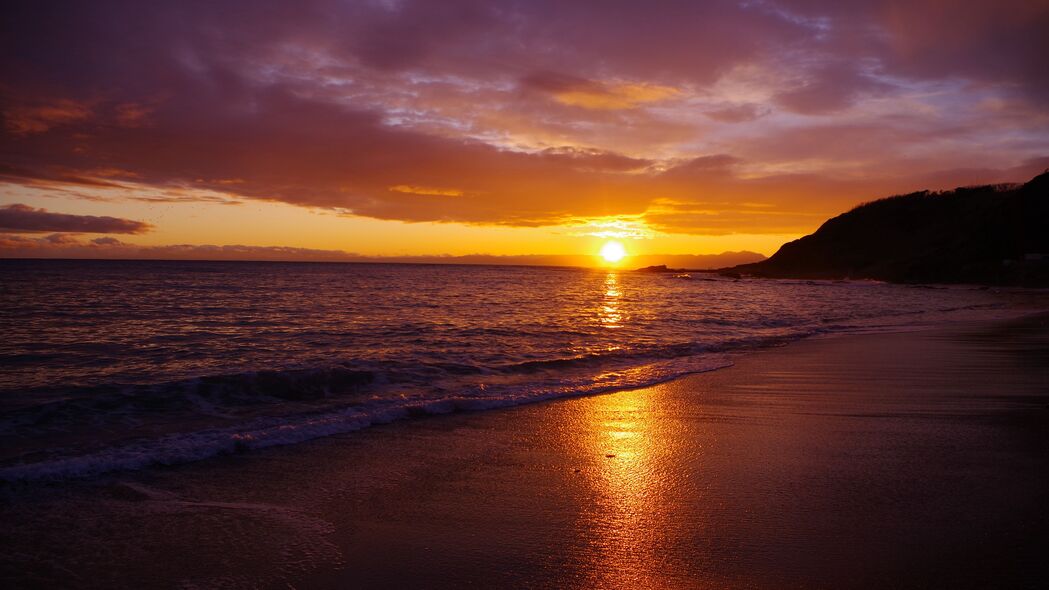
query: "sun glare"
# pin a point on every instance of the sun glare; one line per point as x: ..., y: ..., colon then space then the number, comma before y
x: 613, y: 252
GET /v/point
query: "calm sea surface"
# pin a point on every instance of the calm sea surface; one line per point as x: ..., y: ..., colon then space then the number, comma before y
x: 111, y: 365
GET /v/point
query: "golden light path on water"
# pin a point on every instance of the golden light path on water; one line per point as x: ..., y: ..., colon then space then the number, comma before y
x: 610, y: 314
x: 628, y: 458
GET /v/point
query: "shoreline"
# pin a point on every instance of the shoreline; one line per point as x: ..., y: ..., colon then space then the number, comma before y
x: 276, y: 431
x: 709, y: 478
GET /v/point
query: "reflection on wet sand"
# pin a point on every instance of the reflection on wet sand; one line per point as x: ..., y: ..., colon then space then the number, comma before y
x: 628, y: 475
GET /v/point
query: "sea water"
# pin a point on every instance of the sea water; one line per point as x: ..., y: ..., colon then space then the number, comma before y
x: 108, y: 365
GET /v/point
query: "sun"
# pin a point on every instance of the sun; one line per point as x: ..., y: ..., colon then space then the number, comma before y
x: 613, y: 252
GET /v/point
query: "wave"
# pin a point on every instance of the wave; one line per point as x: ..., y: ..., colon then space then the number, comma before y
x: 284, y: 430
x: 222, y: 414
x: 340, y: 384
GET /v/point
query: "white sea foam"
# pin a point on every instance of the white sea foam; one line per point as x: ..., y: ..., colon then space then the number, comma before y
x: 194, y: 446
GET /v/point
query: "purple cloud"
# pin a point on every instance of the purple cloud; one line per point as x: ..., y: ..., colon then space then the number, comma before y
x: 18, y: 218
x: 525, y: 112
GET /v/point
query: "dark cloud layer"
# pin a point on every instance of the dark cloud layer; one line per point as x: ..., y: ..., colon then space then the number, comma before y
x: 20, y: 218
x: 521, y: 112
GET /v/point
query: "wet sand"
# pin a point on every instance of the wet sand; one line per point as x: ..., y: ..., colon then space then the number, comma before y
x: 917, y: 459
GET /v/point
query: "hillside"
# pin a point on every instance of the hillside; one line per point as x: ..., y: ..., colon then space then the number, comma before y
x: 996, y: 234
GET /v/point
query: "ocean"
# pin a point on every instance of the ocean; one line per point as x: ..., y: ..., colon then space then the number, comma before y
x: 110, y: 365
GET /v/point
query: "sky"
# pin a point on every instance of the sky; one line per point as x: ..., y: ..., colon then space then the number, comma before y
x: 322, y: 128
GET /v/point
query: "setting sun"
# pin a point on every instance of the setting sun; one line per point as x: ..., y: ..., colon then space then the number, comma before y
x: 613, y: 252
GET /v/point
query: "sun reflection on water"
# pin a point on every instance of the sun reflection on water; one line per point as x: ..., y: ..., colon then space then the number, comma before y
x: 610, y: 315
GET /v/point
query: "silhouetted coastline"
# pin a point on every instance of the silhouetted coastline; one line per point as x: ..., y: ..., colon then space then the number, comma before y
x: 991, y: 234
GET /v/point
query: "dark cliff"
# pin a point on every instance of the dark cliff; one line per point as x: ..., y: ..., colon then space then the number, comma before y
x: 995, y: 234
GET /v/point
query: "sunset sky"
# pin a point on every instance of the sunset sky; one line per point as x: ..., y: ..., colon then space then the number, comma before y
x: 399, y: 127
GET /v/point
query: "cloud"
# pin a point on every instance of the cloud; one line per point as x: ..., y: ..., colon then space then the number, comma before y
x: 737, y: 113
x: 522, y: 113
x: 591, y: 94
x: 18, y: 218
x: 987, y: 42
x: 69, y: 246
x: 619, y: 228
x: 38, y: 118
x: 829, y: 88
x: 59, y: 239
x: 131, y: 114
x: 107, y: 241
x: 423, y: 190
x: 325, y: 155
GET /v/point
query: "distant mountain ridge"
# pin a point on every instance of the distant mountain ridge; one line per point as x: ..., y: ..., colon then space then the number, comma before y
x: 993, y: 234
x: 691, y: 261
x: 112, y: 249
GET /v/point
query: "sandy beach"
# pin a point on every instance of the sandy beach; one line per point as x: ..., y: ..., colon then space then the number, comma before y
x: 909, y: 459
